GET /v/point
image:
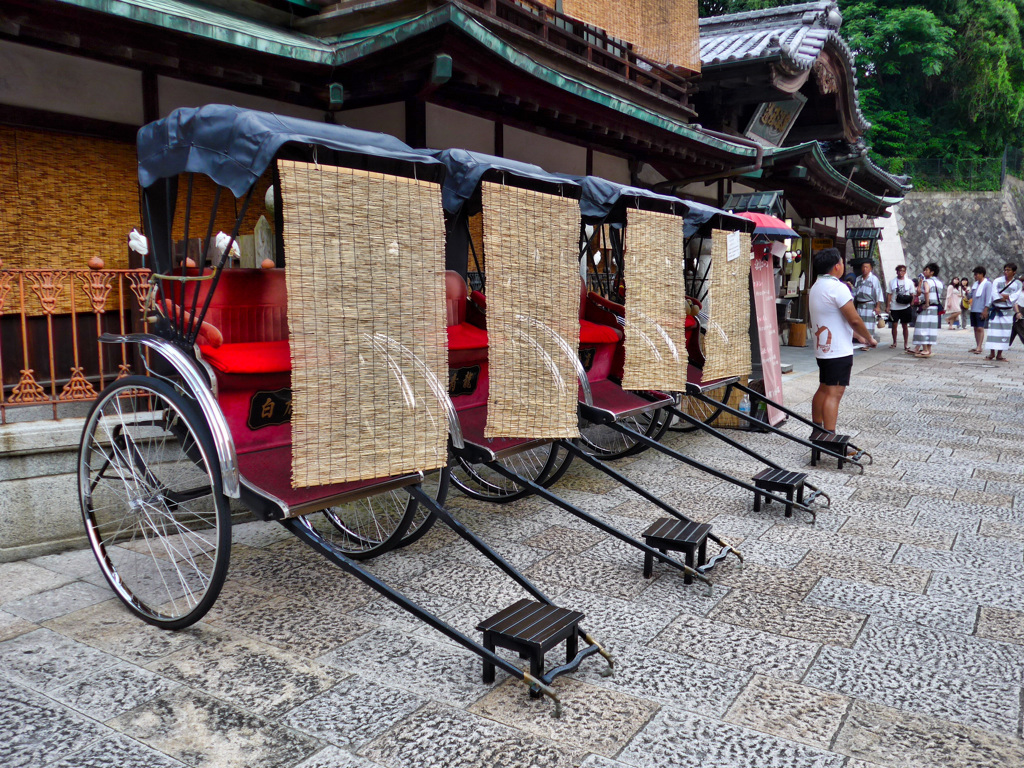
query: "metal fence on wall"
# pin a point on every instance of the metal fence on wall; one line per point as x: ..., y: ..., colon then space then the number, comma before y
x: 50, y: 321
x: 972, y: 174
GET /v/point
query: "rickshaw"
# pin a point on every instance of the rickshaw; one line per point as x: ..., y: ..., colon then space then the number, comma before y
x: 703, y: 399
x: 708, y: 400
x: 286, y: 388
x: 493, y: 470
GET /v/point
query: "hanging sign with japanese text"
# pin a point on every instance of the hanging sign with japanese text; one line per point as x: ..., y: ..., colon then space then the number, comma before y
x: 772, y: 120
x: 763, y: 279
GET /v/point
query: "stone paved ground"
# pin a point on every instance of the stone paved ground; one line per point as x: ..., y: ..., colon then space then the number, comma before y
x: 891, y: 633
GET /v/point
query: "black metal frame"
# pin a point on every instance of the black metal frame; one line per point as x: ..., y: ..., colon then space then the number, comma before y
x: 600, y: 416
x: 698, y: 424
x: 302, y: 529
x: 859, y: 453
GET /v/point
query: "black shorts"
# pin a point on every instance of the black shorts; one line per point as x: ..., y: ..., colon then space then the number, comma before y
x: 835, y: 371
x: 904, y: 316
x: 977, y: 322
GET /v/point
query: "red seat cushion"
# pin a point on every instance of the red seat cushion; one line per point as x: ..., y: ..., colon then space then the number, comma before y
x: 250, y: 357
x: 595, y: 333
x: 466, y: 336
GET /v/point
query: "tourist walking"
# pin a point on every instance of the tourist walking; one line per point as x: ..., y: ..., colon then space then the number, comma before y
x: 901, y: 294
x: 965, y: 302
x: 926, y: 329
x: 868, y: 296
x: 953, y: 308
x: 981, y: 297
x: 1000, y: 313
x: 836, y: 322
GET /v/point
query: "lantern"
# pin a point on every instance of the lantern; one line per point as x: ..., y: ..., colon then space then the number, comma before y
x: 863, y: 239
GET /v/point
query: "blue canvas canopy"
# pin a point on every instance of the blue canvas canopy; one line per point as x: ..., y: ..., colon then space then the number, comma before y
x: 699, y: 215
x: 601, y: 199
x: 466, y: 169
x: 234, y: 146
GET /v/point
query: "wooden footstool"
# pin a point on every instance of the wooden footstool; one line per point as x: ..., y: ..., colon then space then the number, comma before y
x: 531, y: 629
x: 780, y: 481
x: 670, y: 534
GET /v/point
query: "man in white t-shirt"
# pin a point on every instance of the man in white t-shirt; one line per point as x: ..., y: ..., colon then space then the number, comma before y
x: 835, y: 322
x: 901, y: 295
x: 981, y: 297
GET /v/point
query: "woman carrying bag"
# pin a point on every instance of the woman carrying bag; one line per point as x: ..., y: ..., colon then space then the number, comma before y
x: 926, y: 329
x: 954, y: 299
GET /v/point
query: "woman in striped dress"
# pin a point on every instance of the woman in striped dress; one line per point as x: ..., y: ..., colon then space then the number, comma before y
x: 926, y: 330
x: 1006, y: 291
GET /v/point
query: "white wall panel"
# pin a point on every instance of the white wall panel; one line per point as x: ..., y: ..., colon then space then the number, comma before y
x: 450, y: 129
x: 386, y: 118
x: 38, y: 79
x: 611, y: 167
x: 550, y: 154
x: 176, y: 93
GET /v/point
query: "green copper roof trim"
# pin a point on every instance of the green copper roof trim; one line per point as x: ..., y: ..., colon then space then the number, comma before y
x: 814, y: 148
x: 213, y: 24
x: 362, y: 45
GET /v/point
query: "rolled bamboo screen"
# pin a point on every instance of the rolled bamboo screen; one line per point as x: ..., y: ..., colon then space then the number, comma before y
x: 63, y: 200
x: 365, y: 277
x: 663, y: 30
x: 655, y: 303
x: 532, y: 312
x: 727, y: 341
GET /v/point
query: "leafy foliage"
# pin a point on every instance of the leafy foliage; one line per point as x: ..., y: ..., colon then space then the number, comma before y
x: 937, y: 78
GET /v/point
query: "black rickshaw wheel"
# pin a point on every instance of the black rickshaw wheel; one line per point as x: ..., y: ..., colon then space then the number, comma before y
x: 373, y: 525
x: 479, y: 481
x: 150, y: 490
x: 607, y: 444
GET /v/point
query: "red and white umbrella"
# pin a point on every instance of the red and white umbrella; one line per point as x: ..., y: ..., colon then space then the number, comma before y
x: 769, y: 226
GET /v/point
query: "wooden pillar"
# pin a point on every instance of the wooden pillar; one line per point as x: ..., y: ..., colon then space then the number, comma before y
x: 150, y: 96
x: 416, y: 123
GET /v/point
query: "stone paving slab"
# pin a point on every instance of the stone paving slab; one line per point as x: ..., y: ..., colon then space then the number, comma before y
x: 890, y: 633
x: 1000, y: 624
x: 890, y: 736
x: 740, y: 648
x: 204, y: 732
x: 52, y: 603
x: 440, y: 736
x: 353, y: 712
x: 958, y: 654
x: 984, y: 703
x: 602, y: 723
x: 818, y: 624
x: 930, y: 610
x: 117, y: 751
x: 34, y: 730
x: 789, y: 710
x: 261, y: 678
x: 677, y: 738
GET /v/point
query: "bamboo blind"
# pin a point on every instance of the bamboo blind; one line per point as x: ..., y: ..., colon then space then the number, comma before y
x: 203, y: 194
x: 476, y: 235
x: 665, y: 31
x: 727, y: 341
x: 655, y: 303
x: 365, y: 264
x: 532, y: 312
x: 63, y: 200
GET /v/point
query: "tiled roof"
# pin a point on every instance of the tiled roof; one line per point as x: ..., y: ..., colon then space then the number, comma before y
x: 794, y: 33
x: 791, y: 36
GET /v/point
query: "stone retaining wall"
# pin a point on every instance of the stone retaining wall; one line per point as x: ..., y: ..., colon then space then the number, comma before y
x: 958, y: 230
x: 39, y: 511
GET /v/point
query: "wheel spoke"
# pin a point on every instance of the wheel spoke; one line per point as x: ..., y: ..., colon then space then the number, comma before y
x: 151, y: 505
